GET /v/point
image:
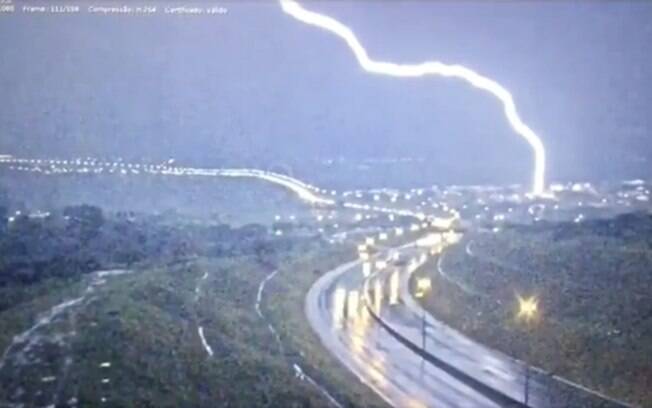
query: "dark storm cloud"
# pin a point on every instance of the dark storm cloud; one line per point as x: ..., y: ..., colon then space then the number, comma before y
x: 257, y: 87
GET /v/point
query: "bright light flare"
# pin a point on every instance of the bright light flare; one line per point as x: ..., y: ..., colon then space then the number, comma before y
x: 429, y: 240
x: 444, y: 223
x: 527, y: 307
x: 451, y: 237
x: 295, y: 10
x: 423, y: 286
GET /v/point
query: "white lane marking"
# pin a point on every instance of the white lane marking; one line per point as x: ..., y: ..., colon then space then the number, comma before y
x: 261, y: 288
x: 199, y: 285
x: 204, y: 343
x: 299, y: 373
x: 259, y: 299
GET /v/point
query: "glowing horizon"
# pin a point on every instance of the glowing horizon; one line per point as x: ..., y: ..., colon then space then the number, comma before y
x: 294, y: 9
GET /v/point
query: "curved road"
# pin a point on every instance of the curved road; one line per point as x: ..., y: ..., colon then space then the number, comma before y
x: 376, y: 357
x: 456, y: 371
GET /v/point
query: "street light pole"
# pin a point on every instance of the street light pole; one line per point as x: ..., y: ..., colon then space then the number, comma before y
x: 527, y: 364
x: 527, y: 310
x: 423, y: 340
x: 423, y: 329
x: 423, y: 287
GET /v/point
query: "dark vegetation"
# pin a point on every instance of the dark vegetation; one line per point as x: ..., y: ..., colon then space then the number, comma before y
x: 146, y: 322
x: 285, y: 304
x: 593, y: 283
x: 81, y: 239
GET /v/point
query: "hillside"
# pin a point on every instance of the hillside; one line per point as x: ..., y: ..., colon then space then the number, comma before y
x: 593, y: 284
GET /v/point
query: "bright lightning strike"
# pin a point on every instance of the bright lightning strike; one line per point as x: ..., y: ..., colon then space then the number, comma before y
x: 293, y: 8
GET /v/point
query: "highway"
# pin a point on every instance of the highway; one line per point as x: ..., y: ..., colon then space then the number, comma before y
x: 365, y: 315
x: 375, y: 356
x: 382, y: 344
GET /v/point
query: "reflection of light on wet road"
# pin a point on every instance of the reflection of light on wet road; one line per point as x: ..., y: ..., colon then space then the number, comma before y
x: 415, y: 403
x: 352, y: 304
x: 358, y: 328
x: 393, y: 288
x: 372, y: 363
x: 339, y: 298
x: 378, y: 295
x: 376, y: 371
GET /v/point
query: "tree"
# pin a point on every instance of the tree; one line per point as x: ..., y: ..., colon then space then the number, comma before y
x: 85, y: 220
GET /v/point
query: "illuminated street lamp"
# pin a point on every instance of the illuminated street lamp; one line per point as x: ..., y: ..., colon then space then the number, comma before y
x: 423, y: 286
x: 527, y: 310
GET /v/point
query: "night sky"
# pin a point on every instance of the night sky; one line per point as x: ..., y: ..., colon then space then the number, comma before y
x: 255, y: 87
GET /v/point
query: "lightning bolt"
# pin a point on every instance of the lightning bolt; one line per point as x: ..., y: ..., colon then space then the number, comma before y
x: 295, y: 10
